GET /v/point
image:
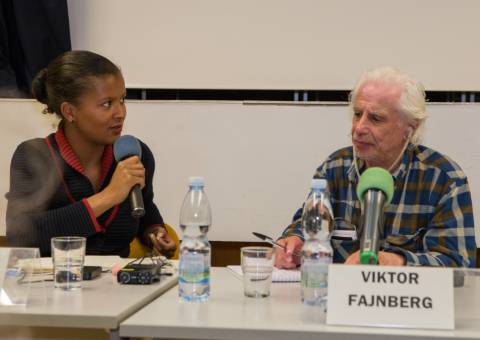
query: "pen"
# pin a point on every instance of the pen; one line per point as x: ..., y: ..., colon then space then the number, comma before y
x: 273, y: 242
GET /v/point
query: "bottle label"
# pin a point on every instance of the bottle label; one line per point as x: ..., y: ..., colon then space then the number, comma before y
x: 194, y: 268
x: 314, y: 272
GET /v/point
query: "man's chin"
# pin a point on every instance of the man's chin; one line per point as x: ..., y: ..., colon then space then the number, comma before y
x: 361, y: 153
x: 364, y: 156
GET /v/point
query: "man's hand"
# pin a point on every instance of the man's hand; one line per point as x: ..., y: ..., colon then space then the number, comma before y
x: 353, y: 258
x: 287, y: 259
x: 390, y: 259
x: 384, y: 259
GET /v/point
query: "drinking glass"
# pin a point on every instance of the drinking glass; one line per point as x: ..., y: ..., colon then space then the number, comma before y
x: 68, y: 256
x: 257, y: 267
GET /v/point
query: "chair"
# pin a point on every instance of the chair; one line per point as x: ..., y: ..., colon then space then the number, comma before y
x: 138, y: 249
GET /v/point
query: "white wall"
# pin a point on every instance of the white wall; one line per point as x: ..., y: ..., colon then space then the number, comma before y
x: 257, y: 160
x: 281, y: 44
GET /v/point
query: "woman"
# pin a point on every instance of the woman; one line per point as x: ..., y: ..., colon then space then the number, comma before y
x: 69, y: 184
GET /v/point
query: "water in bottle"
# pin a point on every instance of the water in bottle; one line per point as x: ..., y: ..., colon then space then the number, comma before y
x: 317, y: 251
x: 194, y: 267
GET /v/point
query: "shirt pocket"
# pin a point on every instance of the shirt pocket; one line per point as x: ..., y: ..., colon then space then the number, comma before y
x: 410, y: 242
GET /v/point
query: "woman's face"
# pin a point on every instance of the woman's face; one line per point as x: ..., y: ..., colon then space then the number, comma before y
x: 100, y: 112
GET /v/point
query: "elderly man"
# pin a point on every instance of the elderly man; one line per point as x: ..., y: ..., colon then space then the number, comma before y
x: 430, y: 220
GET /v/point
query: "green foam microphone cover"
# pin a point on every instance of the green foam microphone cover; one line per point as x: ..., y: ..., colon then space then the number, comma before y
x: 376, y: 178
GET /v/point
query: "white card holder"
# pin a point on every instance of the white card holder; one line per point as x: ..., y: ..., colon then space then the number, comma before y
x: 18, y: 267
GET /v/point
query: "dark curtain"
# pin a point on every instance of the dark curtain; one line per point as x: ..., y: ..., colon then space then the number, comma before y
x: 32, y: 33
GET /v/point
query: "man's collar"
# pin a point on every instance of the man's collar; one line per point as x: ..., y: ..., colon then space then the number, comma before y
x: 352, y: 172
x: 398, y: 174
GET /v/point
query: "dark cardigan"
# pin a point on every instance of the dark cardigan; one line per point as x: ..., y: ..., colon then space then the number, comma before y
x: 47, y: 198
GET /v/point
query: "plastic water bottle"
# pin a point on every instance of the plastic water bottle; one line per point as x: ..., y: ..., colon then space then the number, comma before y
x: 194, y: 267
x: 317, y: 251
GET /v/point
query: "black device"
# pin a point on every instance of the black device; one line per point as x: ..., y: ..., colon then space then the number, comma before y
x: 127, y: 146
x: 91, y: 272
x: 139, y: 274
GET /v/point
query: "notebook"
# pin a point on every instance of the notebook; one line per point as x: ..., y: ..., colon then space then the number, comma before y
x: 278, y: 275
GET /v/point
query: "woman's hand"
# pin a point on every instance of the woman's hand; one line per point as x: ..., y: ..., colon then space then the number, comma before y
x: 128, y: 173
x: 160, y: 241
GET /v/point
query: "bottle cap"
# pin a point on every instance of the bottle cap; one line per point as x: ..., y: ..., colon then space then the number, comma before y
x: 319, y: 183
x: 196, y: 181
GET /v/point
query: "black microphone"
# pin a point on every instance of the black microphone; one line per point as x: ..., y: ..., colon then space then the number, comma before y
x: 375, y: 190
x: 127, y: 146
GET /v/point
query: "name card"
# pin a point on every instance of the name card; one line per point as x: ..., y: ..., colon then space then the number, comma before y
x: 411, y: 297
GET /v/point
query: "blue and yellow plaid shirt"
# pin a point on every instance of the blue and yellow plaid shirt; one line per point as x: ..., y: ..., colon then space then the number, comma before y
x: 430, y: 218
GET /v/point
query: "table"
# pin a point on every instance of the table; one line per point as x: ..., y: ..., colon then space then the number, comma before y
x: 100, y: 305
x: 230, y: 315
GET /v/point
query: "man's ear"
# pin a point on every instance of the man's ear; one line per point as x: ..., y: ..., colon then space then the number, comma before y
x: 68, y: 112
x: 409, y: 133
x: 412, y: 127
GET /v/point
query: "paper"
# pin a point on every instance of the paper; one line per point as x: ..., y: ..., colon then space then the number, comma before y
x: 278, y: 275
x: 106, y: 262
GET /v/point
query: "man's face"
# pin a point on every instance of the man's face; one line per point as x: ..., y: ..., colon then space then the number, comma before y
x: 379, y: 130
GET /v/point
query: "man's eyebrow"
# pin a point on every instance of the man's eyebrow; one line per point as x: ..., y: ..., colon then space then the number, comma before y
x: 378, y: 115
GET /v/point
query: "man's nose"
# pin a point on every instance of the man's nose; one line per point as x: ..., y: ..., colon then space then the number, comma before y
x: 361, y: 125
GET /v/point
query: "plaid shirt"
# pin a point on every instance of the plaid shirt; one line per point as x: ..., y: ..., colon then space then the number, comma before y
x: 430, y: 218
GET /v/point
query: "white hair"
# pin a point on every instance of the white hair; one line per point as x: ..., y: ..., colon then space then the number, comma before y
x: 411, y: 103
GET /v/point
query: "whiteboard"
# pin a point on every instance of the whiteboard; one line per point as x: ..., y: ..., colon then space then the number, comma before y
x: 257, y: 160
x: 281, y: 44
